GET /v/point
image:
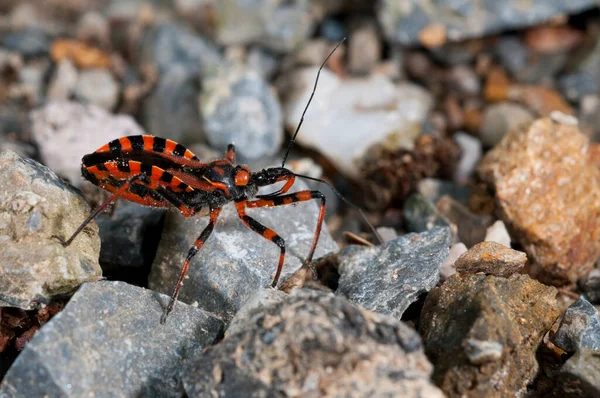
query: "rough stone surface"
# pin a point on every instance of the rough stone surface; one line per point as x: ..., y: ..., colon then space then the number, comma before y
x: 98, y: 87
x: 580, y: 375
x: 499, y: 119
x: 254, y: 308
x: 420, y: 214
x: 108, y: 342
x: 363, y: 112
x: 235, y: 261
x: 34, y: 205
x: 279, y: 26
x: 548, y: 195
x: 81, y: 128
x: 239, y: 106
x: 404, y: 21
x: 314, y: 344
x: 388, y: 278
x: 491, y: 258
x: 129, y: 237
x: 481, y: 332
x: 579, y: 328
x: 590, y: 285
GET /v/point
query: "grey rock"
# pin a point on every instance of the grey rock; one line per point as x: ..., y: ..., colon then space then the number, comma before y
x: 513, y: 53
x: 575, y: 86
x: 590, y: 285
x: 387, y: 279
x: 276, y: 25
x: 30, y: 42
x: 499, y: 119
x: 420, y: 214
x: 80, y: 128
x: 171, y: 111
x: 32, y: 79
x: 254, y: 309
x: 94, y: 27
x: 579, y: 328
x: 470, y: 228
x: 364, y: 49
x: 491, y: 258
x: 580, y: 375
x: 108, y: 342
x: 471, y: 153
x: 589, y: 116
x: 63, y: 82
x: 238, y: 106
x: 168, y: 46
x: 98, y: 87
x: 34, y: 205
x: 403, y: 21
x: 433, y: 189
x: 263, y: 62
x: 235, y: 261
x: 129, y: 237
x: 314, y: 344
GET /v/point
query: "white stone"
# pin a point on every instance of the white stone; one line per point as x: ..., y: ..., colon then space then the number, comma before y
x: 447, y: 269
x: 347, y: 116
x: 497, y: 233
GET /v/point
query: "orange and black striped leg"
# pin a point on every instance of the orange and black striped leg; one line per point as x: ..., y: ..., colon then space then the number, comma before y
x: 172, y: 198
x: 289, y: 181
x: 98, y: 210
x: 301, y: 196
x: 231, y: 153
x: 214, y: 214
x: 267, y: 233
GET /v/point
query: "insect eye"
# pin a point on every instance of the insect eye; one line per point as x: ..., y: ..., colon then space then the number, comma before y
x: 241, y: 178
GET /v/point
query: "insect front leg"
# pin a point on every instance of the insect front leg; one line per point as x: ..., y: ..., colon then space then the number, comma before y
x: 214, y: 215
x: 230, y: 153
x: 266, y: 233
x: 300, y: 196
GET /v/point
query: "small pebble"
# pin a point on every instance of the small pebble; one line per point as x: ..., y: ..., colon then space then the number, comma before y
x: 491, y: 258
x: 498, y: 233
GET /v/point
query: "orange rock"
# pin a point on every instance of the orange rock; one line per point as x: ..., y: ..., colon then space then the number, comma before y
x: 541, y: 100
x: 473, y: 118
x: 496, y: 85
x: 548, y: 194
x: 553, y: 39
x: 82, y: 55
x: 433, y: 35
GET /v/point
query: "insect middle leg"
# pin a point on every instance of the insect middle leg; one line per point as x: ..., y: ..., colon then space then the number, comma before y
x: 295, y: 197
x: 214, y: 215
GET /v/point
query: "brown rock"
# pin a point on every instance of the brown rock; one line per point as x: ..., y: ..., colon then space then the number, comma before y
x: 553, y: 39
x: 433, y: 35
x: 547, y: 193
x: 81, y: 54
x: 542, y: 100
x: 496, y: 86
x: 481, y: 333
x: 491, y: 258
x: 471, y: 227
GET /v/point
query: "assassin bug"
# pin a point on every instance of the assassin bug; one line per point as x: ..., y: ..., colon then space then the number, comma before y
x: 158, y: 172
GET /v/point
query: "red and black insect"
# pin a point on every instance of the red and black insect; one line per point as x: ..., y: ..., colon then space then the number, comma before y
x: 157, y: 172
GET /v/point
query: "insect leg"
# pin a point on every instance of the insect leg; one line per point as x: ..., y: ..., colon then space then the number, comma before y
x: 98, y: 210
x: 186, y: 210
x: 214, y: 214
x: 289, y: 181
x: 266, y: 233
x: 300, y: 196
x: 231, y: 153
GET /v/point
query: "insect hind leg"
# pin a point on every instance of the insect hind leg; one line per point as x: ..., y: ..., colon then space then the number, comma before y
x: 122, y: 189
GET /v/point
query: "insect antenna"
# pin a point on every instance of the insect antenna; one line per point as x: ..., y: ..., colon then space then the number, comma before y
x: 339, y: 195
x: 293, y: 140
